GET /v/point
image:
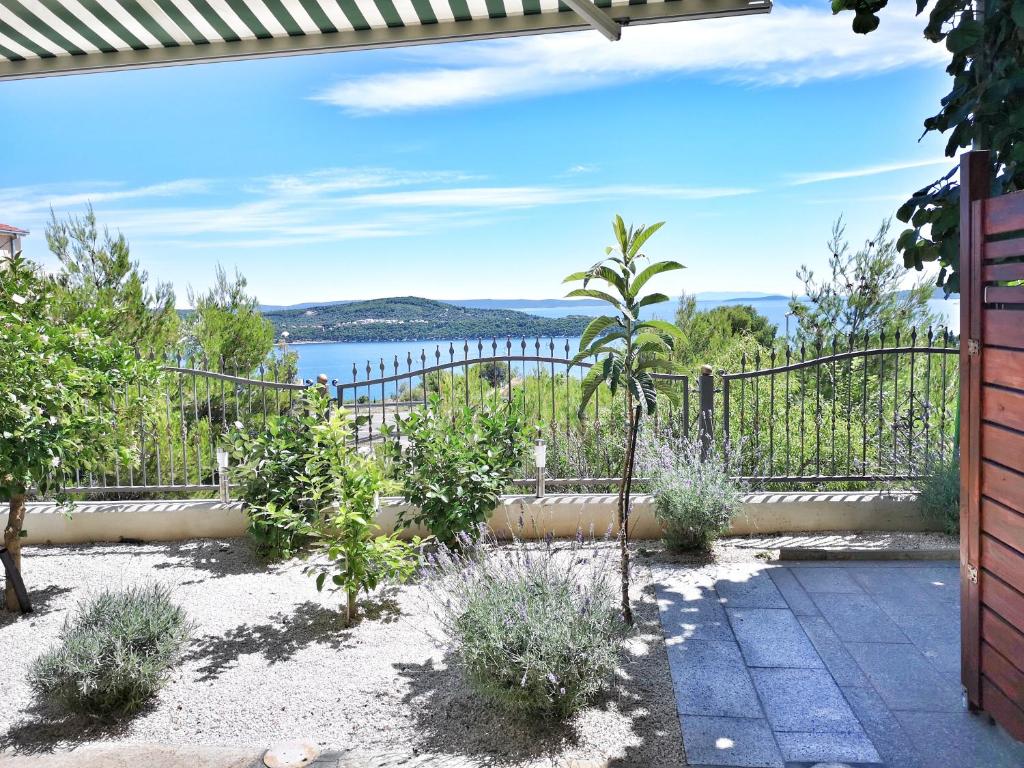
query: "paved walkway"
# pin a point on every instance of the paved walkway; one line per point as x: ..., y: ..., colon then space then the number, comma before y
x: 805, y: 663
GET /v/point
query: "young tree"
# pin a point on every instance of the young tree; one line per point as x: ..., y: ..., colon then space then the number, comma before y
x: 226, y: 326
x: 54, y: 376
x: 983, y: 109
x: 631, y: 349
x: 863, y: 294
x: 97, y: 270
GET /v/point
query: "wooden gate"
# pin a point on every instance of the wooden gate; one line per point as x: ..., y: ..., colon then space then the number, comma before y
x: 992, y: 445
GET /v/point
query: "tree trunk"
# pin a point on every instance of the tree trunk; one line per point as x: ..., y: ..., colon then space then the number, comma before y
x: 12, y: 541
x: 352, y: 607
x: 625, y: 490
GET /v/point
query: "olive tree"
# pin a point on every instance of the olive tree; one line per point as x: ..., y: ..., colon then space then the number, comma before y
x: 56, y: 373
x: 627, y: 349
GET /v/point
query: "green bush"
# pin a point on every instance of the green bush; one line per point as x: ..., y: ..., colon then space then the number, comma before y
x: 537, y: 632
x: 694, y: 500
x: 940, y: 495
x: 307, y: 489
x: 114, y: 655
x: 454, y: 466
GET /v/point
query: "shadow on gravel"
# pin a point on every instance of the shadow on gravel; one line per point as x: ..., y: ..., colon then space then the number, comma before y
x: 285, y: 634
x: 451, y: 718
x: 231, y: 557
x: 41, y: 598
x: 41, y: 730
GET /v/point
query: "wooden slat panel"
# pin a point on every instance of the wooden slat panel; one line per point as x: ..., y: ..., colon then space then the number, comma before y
x: 1004, y: 407
x: 1001, y: 636
x: 1003, y: 328
x: 1003, y: 446
x: 1003, y: 366
x: 999, y: 560
x: 1003, y: 600
x: 1004, y: 214
x: 1002, y: 523
x: 994, y: 273
x: 1004, y: 249
x: 1004, y: 294
x: 1010, y: 716
x: 1006, y: 677
x: 1003, y: 485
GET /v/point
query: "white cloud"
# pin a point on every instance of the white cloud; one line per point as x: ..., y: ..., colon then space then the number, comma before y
x: 319, y: 207
x: 788, y: 47
x: 817, y: 177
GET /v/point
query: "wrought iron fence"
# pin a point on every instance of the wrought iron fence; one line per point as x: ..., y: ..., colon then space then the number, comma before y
x: 846, y: 411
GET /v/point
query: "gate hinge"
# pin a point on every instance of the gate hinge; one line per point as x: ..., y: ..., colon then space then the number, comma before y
x: 973, y: 347
x: 972, y: 573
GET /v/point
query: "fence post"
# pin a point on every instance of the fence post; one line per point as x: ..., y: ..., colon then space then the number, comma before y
x: 705, y: 419
x: 321, y: 385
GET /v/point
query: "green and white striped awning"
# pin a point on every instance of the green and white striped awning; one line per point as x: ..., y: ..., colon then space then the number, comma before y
x: 51, y: 37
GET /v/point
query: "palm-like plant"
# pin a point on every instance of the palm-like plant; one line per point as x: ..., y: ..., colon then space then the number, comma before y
x: 628, y: 350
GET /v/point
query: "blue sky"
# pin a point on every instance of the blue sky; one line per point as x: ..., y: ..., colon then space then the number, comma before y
x: 490, y: 169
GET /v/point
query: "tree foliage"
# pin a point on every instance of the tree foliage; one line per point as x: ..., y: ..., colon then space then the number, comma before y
x: 627, y: 351
x: 55, y: 372
x: 226, y: 326
x: 96, y: 270
x: 984, y: 108
x: 709, y: 335
x: 864, y: 293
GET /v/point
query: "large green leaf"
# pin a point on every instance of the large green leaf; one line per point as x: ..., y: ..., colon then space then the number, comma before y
x: 662, y: 326
x: 591, y: 293
x: 595, y: 327
x: 642, y: 237
x: 651, y: 298
x: 593, y: 380
x: 650, y: 271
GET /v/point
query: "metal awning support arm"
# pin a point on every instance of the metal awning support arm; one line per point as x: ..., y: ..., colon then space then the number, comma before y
x: 596, y: 17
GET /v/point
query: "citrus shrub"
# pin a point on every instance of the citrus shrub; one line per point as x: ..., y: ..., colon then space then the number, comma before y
x: 308, y: 492
x: 114, y: 655
x: 536, y: 630
x: 453, y: 466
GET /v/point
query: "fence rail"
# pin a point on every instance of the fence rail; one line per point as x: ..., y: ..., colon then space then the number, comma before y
x: 853, y: 410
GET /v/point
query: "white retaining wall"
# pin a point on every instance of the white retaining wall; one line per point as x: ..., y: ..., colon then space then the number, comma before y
x: 559, y: 514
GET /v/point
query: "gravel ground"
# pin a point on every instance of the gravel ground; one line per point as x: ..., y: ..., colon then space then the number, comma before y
x: 272, y: 660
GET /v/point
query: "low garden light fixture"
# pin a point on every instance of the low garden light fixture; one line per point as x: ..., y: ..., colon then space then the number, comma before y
x: 223, y: 459
x: 540, y: 461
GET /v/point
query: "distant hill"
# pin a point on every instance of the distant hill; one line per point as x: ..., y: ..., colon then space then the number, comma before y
x: 409, y: 318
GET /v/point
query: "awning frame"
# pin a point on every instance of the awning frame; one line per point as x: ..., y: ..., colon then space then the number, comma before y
x: 607, y: 21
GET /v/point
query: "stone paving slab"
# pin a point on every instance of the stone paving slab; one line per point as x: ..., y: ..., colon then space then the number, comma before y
x: 770, y: 637
x: 795, y: 595
x: 710, y: 678
x: 804, y: 700
x: 859, y: 669
x: 905, y: 679
x: 749, y: 590
x: 730, y: 741
x: 826, y: 578
x: 858, y: 619
x: 960, y: 739
x: 886, y: 734
x: 832, y: 651
x: 853, y: 747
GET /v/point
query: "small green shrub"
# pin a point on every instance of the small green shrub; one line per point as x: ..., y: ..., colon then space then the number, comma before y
x: 454, y: 466
x: 114, y: 655
x: 308, y: 490
x: 537, y: 631
x: 940, y: 495
x: 694, y: 500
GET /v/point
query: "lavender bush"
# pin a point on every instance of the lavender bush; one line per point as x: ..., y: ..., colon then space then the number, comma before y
x: 536, y: 627
x: 693, y: 500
